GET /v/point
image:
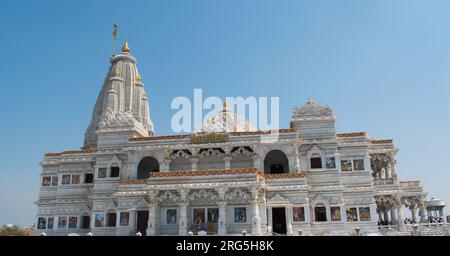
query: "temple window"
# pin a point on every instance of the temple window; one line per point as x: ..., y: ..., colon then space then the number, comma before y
x: 171, y: 216
x: 65, y: 179
x: 85, y: 221
x: 352, y: 214
x: 364, y: 213
x: 115, y: 171
x: 54, y: 180
x: 99, y: 218
x: 41, y: 223
x: 50, y: 222
x: 111, y: 219
x: 89, y: 178
x: 320, y: 213
x: 330, y: 162
x: 124, y: 219
x: 276, y: 162
x: 298, y: 214
x: 315, y: 162
x: 73, y: 221
x: 358, y: 165
x: 346, y: 165
x: 76, y: 179
x: 147, y: 165
x: 46, y: 180
x: 101, y: 173
x: 335, y: 213
x: 62, y: 222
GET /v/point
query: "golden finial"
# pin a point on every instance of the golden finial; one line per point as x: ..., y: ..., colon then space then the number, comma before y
x: 145, y: 94
x: 139, y: 78
x: 125, y: 47
x: 225, y: 105
x: 117, y: 73
x: 113, y: 87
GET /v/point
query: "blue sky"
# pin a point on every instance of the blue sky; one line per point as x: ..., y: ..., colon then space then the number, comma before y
x: 383, y: 66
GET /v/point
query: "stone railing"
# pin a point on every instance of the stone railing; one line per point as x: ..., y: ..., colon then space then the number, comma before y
x: 383, y: 181
x: 410, y: 183
x: 422, y: 229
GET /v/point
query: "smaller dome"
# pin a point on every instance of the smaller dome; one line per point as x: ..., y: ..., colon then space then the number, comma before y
x: 226, y: 121
x: 311, y: 109
x: 436, y: 202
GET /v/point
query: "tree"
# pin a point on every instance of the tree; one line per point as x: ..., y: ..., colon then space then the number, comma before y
x: 12, y: 231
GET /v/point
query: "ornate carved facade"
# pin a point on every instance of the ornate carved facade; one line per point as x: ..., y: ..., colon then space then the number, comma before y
x: 127, y: 180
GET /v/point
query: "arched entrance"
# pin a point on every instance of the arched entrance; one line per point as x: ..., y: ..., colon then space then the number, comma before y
x: 276, y: 162
x: 146, y: 165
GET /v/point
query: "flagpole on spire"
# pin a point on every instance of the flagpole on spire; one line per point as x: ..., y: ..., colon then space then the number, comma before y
x: 116, y: 28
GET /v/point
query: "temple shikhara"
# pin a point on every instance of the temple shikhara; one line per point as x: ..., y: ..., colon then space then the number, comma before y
x: 225, y: 178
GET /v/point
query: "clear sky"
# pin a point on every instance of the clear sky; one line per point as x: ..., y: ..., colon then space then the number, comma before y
x: 383, y: 66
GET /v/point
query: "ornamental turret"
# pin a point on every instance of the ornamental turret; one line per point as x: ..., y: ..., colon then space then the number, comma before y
x: 314, y: 121
x: 122, y: 105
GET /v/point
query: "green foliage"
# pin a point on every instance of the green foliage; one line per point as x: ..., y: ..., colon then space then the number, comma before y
x: 12, y: 231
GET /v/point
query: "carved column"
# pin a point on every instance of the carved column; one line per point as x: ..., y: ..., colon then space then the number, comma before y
x: 194, y: 161
x: 413, y: 213
x: 422, y: 210
x: 257, y: 162
x: 132, y: 222
x: 222, y: 229
x: 182, y: 230
x: 380, y: 215
x: 289, y: 220
x: 165, y: 165
x: 399, y: 208
x: 393, y: 163
x: 227, y: 162
x: 183, y: 223
x: 269, y: 220
x: 393, y: 216
x: 222, y: 203
x: 386, y: 216
x: 256, y: 219
x: 152, y: 220
x: 296, y: 159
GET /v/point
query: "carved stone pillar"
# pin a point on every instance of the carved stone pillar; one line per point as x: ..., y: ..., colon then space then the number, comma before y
x: 182, y: 228
x: 393, y: 163
x: 386, y: 216
x: 380, y: 215
x: 257, y: 163
x: 194, y: 161
x: 289, y: 220
x: 393, y: 216
x: 227, y: 162
x: 222, y: 203
x: 400, y: 220
x: 165, y: 164
x: 296, y: 159
x: 269, y: 220
x: 183, y: 223
x: 222, y: 228
x: 152, y: 220
x: 132, y: 222
x: 256, y: 219
x: 422, y: 210
x: 413, y: 214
